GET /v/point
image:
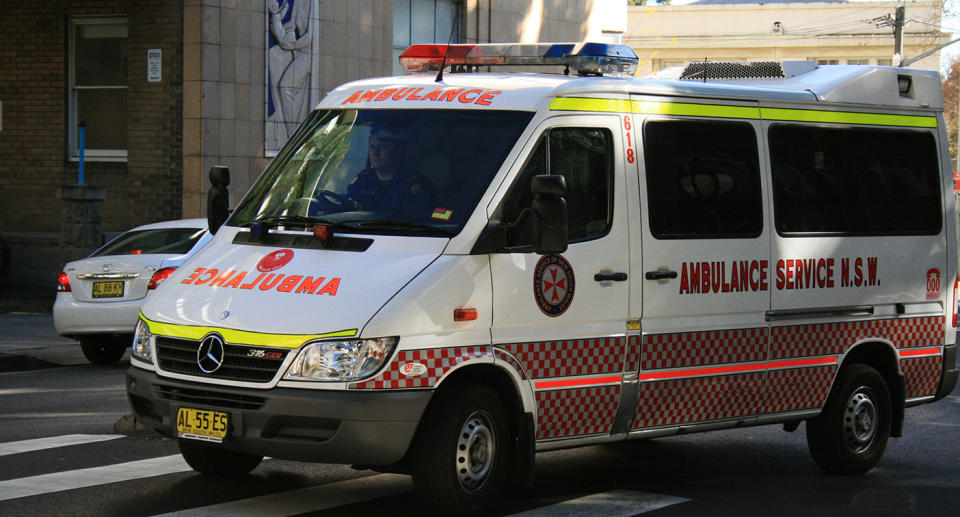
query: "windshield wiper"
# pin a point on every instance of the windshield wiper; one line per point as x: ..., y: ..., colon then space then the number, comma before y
x: 386, y: 224
x: 304, y: 221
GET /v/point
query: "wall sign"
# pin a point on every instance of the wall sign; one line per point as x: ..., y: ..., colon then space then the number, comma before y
x: 154, y: 65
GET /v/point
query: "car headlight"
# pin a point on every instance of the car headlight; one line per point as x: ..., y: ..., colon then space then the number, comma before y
x: 141, y: 348
x: 341, y: 360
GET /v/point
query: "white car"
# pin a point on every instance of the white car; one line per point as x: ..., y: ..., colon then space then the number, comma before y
x: 99, y: 297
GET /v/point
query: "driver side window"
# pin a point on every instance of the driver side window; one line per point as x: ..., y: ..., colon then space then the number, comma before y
x: 584, y: 157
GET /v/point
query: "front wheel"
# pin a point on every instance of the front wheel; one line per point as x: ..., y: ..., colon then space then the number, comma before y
x: 212, y: 460
x: 851, y: 433
x: 461, y: 452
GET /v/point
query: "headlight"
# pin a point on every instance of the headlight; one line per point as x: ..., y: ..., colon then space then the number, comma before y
x: 341, y: 360
x: 141, y: 343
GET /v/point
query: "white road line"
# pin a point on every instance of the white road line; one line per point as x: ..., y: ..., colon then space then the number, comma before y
x: 69, y: 480
x: 38, y: 444
x: 57, y: 415
x: 303, y: 500
x: 30, y: 391
x: 615, y: 503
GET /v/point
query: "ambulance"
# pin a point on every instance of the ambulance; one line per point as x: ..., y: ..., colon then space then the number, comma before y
x: 443, y: 273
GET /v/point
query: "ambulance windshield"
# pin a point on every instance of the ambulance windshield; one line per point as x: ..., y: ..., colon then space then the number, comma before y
x: 384, y: 171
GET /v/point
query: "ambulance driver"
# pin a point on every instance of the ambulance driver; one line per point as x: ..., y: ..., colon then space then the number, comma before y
x: 386, y: 186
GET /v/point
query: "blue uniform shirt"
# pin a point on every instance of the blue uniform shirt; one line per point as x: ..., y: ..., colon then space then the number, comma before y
x: 408, y: 196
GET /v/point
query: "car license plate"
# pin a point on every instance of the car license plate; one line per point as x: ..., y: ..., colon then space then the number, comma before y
x: 108, y: 289
x: 200, y: 424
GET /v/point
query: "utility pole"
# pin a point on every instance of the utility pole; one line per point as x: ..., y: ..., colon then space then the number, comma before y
x: 898, y: 36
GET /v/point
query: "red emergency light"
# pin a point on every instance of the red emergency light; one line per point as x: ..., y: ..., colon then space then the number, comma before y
x: 584, y: 58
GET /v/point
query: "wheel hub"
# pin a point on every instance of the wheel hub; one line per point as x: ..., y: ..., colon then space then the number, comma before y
x: 476, y: 451
x: 860, y: 421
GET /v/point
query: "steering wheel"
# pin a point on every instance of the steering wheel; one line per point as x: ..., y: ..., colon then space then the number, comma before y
x: 326, y: 201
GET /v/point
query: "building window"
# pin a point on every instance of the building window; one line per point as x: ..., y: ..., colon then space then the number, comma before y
x: 858, y: 61
x: 884, y: 61
x: 828, y: 61
x: 423, y: 21
x: 98, y: 87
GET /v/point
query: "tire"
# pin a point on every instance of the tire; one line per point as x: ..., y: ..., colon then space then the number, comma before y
x: 461, y: 453
x: 851, y: 433
x: 103, y: 350
x: 214, y: 461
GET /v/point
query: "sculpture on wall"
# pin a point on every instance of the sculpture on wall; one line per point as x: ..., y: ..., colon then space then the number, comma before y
x: 292, y: 27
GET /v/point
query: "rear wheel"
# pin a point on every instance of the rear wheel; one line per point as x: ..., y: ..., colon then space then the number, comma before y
x: 461, y: 454
x: 214, y: 461
x: 851, y: 433
x: 103, y: 350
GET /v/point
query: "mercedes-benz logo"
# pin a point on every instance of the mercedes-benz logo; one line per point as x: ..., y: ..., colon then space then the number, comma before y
x: 210, y: 353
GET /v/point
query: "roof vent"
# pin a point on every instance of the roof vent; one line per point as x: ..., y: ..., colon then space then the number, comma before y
x: 707, y: 70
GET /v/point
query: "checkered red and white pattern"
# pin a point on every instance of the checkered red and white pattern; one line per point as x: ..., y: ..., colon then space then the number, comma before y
x: 503, y: 355
x: 438, y: 361
x: 797, y: 388
x: 696, y: 400
x: 576, y: 412
x: 703, y: 348
x: 634, y: 346
x: 569, y: 358
x: 922, y: 375
x: 836, y: 338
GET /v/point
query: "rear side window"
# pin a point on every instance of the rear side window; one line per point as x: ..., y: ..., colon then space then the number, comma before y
x: 703, y: 179
x: 854, y: 181
x: 176, y: 241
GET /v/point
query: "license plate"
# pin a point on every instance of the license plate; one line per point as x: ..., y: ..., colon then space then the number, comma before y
x: 108, y: 289
x: 200, y: 424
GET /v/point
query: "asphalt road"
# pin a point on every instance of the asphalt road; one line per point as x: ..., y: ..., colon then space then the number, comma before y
x: 48, y: 392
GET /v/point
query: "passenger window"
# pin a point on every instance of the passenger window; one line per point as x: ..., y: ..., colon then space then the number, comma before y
x: 584, y: 157
x: 703, y: 179
x: 854, y: 181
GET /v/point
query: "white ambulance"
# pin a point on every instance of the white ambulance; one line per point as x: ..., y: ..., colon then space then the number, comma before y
x: 444, y: 274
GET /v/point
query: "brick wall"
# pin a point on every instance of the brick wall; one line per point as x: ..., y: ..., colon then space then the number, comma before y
x: 33, y: 141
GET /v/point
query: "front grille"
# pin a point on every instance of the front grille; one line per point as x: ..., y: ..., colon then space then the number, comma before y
x: 208, y: 397
x: 180, y: 356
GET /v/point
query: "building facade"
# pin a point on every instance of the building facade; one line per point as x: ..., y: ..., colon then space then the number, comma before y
x: 166, y: 89
x: 748, y: 30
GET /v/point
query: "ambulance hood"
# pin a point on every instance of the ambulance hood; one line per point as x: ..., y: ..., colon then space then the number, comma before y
x: 289, y: 289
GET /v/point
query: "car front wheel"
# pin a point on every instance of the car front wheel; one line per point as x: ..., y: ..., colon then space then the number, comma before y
x: 462, y: 452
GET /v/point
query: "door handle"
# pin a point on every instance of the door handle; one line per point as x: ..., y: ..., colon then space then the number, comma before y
x: 607, y: 277
x: 660, y: 274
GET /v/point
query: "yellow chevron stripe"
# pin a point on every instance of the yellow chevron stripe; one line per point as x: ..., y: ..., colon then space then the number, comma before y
x: 242, y: 337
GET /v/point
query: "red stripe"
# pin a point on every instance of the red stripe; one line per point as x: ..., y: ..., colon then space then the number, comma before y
x: 920, y: 352
x: 754, y: 367
x: 818, y: 361
x: 578, y: 382
x: 704, y: 371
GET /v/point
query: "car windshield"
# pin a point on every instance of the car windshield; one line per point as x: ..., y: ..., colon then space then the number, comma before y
x: 175, y: 241
x: 407, y: 172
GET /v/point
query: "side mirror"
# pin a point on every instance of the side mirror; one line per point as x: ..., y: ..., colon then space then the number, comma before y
x: 550, y: 208
x: 218, y: 197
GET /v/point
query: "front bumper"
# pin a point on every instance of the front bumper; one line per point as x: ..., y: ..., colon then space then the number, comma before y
x: 367, y: 428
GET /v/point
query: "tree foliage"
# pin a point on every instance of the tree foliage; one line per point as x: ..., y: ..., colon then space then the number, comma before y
x: 951, y: 100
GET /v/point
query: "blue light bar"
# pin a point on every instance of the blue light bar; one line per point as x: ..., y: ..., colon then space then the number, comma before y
x: 584, y: 58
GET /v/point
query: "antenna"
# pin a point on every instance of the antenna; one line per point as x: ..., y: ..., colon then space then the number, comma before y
x: 446, y: 50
